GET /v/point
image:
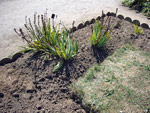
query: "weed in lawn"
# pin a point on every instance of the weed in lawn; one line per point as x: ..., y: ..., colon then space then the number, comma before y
x: 96, y: 68
x: 42, y: 36
x: 90, y: 75
x: 147, y: 68
x: 108, y: 92
x: 136, y: 63
x: 110, y: 80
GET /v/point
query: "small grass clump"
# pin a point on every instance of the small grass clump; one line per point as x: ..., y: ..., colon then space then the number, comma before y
x: 46, y: 37
x: 137, y: 30
x: 101, y: 33
x: 119, y: 84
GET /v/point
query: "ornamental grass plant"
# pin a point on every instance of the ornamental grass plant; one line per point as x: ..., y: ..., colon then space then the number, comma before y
x: 47, y: 37
x: 101, y: 33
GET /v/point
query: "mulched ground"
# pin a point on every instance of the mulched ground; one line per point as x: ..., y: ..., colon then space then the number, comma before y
x: 28, y: 85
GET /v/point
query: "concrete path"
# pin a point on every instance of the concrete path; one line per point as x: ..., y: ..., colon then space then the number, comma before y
x: 13, y: 13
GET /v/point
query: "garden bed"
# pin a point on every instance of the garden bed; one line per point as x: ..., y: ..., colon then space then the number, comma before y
x: 30, y: 85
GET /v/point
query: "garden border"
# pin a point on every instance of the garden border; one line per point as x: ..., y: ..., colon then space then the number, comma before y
x: 80, y: 26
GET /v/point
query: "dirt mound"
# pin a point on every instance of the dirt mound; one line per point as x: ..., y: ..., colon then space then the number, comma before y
x: 29, y: 85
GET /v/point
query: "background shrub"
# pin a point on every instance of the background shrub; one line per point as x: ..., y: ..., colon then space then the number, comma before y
x: 143, y: 4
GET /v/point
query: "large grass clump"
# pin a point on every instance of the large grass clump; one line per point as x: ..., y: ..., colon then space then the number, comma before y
x: 44, y: 36
x: 120, y: 84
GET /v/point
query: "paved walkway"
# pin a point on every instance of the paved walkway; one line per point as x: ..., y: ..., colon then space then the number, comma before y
x: 13, y: 12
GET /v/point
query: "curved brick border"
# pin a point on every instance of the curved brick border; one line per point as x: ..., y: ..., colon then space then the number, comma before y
x: 88, y: 22
x: 144, y: 25
x: 136, y: 22
x: 98, y: 18
x: 120, y: 16
x: 92, y: 21
x: 80, y: 26
x: 10, y: 60
x: 128, y: 19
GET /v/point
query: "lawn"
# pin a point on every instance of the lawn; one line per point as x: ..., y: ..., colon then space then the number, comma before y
x: 119, y: 83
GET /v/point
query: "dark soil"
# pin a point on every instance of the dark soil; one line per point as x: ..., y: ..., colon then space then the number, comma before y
x: 28, y: 85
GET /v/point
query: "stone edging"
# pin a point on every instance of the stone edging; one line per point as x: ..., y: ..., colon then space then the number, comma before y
x: 9, y: 60
x: 80, y: 26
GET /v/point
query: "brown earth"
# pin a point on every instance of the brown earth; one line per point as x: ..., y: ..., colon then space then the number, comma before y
x: 28, y: 85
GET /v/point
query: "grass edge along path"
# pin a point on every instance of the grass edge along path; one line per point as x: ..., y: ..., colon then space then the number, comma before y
x: 120, y: 83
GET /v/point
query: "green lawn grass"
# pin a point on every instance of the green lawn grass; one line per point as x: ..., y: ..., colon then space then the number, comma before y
x: 120, y: 83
